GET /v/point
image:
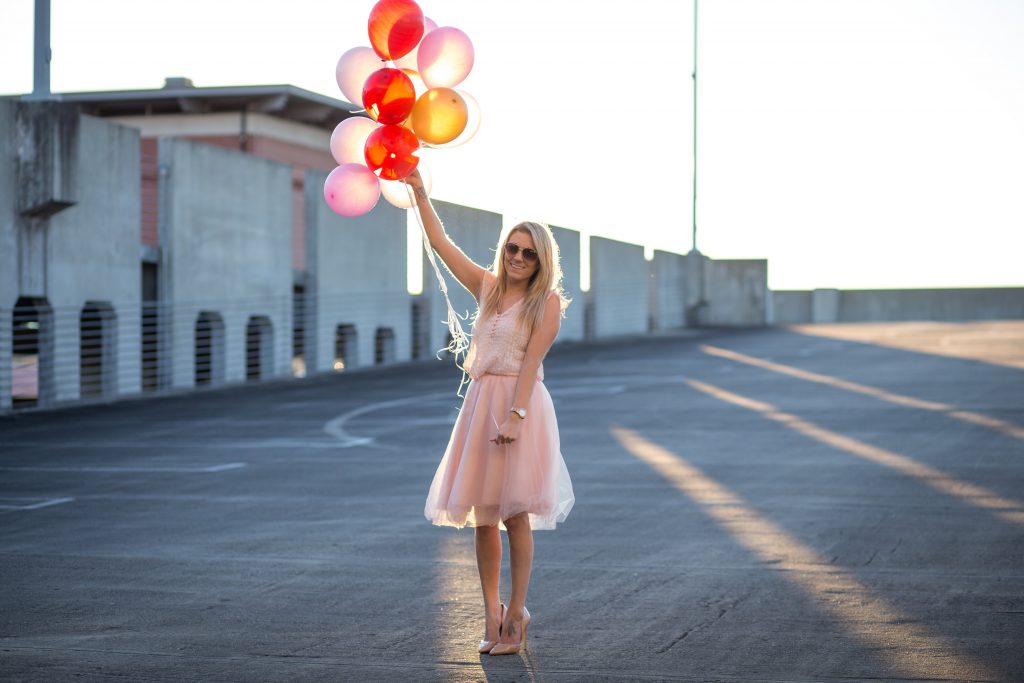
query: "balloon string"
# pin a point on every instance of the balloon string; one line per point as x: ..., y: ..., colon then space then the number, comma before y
x: 460, y: 340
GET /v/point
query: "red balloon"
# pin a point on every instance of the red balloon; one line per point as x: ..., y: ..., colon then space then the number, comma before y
x: 390, y: 152
x: 395, y: 27
x: 389, y: 95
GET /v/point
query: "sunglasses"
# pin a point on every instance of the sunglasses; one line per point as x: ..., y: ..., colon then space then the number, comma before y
x: 511, y: 249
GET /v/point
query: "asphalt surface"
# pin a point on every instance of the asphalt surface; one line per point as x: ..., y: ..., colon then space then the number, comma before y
x: 751, y: 506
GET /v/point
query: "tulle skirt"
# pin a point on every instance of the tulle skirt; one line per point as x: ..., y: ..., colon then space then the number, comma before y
x: 480, y: 483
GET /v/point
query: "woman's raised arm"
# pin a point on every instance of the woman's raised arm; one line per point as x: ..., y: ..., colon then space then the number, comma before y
x: 469, y: 274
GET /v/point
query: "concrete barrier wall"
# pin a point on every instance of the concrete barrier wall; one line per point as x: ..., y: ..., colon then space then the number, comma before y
x: 619, y: 294
x: 225, y: 231
x: 8, y: 249
x: 736, y: 292
x: 668, y: 290
x: 476, y: 232
x: 226, y: 224
x: 356, y: 275
x: 932, y: 304
x: 881, y: 305
x: 569, y: 248
x: 789, y: 307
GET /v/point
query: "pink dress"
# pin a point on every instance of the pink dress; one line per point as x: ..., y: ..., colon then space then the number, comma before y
x: 480, y: 483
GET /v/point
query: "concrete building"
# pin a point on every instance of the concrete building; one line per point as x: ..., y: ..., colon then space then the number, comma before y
x: 156, y: 240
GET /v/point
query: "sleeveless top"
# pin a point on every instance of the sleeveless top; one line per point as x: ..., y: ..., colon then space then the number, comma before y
x: 498, y: 345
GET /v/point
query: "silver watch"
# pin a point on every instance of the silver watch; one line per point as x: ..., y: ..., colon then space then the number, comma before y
x: 521, y: 412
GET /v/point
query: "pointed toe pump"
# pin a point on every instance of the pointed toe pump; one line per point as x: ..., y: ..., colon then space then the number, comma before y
x: 487, y: 645
x: 510, y: 630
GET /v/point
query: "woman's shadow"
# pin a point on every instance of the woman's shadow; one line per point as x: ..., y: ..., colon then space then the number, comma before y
x: 523, y: 665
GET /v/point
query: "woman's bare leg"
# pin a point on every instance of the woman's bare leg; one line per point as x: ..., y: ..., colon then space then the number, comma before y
x: 520, y: 550
x: 488, y: 563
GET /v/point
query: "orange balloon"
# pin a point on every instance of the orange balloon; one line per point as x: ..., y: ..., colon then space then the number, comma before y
x: 439, y: 116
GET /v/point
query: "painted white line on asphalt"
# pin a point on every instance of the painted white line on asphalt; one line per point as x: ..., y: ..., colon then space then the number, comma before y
x: 6, y: 504
x: 225, y: 467
x: 120, y: 470
x: 336, y: 427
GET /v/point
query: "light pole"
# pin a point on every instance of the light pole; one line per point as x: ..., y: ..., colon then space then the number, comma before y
x: 41, y: 53
x: 694, y: 234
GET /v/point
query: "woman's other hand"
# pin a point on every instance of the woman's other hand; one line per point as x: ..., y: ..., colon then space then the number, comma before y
x: 508, y: 431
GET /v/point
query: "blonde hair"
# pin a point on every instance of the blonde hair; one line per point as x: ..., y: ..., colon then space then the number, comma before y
x: 546, y: 279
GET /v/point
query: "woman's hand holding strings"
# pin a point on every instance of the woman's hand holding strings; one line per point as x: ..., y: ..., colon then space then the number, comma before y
x: 508, y: 431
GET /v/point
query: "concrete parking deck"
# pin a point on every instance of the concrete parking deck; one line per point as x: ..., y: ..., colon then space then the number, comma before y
x: 806, y: 504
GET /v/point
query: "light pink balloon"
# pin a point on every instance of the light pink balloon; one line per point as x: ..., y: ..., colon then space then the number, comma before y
x: 409, y: 60
x: 395, y: 192
x: 349, y: 139
x: 445, y: 57
x: 352, y: 69
x: 351, y: 190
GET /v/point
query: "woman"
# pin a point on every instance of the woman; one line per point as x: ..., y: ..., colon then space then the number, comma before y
x: 503, y: 467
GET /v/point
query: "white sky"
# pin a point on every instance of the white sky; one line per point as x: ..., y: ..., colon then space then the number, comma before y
x: 853, y: 143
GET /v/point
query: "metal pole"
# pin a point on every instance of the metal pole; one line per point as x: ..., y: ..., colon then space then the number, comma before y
x: 694, y: 235
x: 41, y: 52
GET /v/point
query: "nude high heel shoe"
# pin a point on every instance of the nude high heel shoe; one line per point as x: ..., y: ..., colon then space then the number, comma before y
x: 486, y: 645
x: 512, y: 648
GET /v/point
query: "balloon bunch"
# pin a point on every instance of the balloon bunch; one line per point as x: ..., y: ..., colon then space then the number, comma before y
x: 406, y: 82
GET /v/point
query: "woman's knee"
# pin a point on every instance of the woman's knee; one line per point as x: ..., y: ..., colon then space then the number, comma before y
x: 518, y: 523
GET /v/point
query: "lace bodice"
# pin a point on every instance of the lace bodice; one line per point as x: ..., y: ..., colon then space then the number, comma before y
x: 498, y: 345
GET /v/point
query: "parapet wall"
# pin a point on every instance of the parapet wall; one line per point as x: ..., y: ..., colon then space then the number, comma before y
x: 569, y: 246
x: 224, y: 305
x: 882, y: 305
x: 225, y: 232
x: 619, y: 297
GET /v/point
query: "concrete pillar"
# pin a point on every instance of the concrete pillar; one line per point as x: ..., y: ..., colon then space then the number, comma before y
x: 48, y: 154
x: 695, y: 303
x: 569, y: 246
x: 235, y: 361
x: 129, y: 350
x: 668, y: 290
x: 618, y: 288
x: 825, y: 306
x: 66, y: 357
x: 6, y: 350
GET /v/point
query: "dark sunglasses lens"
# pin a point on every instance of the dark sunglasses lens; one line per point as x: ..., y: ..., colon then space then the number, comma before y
x: 529, y: 255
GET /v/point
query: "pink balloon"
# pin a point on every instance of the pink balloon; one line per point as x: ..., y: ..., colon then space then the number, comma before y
x: 409, y: 60
x: 445, y: 57
x: 352, y: 71
x: 351, y: 190
x: 349, y: 139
